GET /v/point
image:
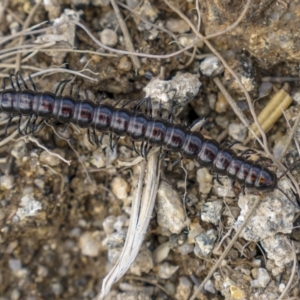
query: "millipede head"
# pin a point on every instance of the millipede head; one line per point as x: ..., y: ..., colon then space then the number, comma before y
x: 267, y: 181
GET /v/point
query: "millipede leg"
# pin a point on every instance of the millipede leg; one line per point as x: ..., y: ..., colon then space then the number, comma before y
x: 32, y: 127
x: 19, y: 125
x: 90, y: 136
x: 32, y: 83
x: 7, y: 124
x: 140, y: 103
x: 126, y: 103
x: 116, y: 142
x: 264, y: 159
x: 77, y: 93
x: 247, y: 152
x: 134, y: 148
x: 37, y: 128
x: 64, y: 128
x: 142, y: 151
x: 86, y: 95
x: 102, y: 96
x: 27, y: 125
x: 71, y: 89
x: 61, y: 85
x: 194, y: 123
x: 11, y: 82
x: 111, y: 141
x: 162, y: 155
x: 176, y: 161
x: 243, y: 190
x: 18, y: 75
x: 100, y: 139
x: 218, y: 180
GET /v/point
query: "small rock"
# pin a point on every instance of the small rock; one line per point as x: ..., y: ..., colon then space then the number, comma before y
x: 89, y: 245
x: 195, y: 230
x: 42, y: 271
x: 211, y: 211
x: 170, y: 210
x: 263, y: 278
x: 237, y: 293
x: 221, y: 104
x: 166, y: 270
x: 28, y: 207
x: 98, y: 158
x: 113, y: 255
x: 177, y: 25
x: 19, y: 150
x: 120, y: 188
x: 6, y: 182
x: 108, y: 224
x: 100, y: 2
x: 146, y: 11
x: 143, y: 263
x: 211, y: 66
x: 237, y: 131
x: 108, y: 37
x: 57, y: 288
x: 264, y: 89
x: 121, y: 221
x: 15, y: 294
x: 222, y: 121
x: 132, y: 3
x: 184, y: 288
x: 49, y: 159
x: 212, y: 99
x: 15, y: 265
x: 187, y: 39
x: 205, y: 243
x: 39, y: 183
x: 204, y: 179
x: 125, y: 64
x: 209, y: 286
x: 161, y: 252
x: 80, y: 2
x: 278, y: 248
x: 185, y: 249
x: 115, y: 240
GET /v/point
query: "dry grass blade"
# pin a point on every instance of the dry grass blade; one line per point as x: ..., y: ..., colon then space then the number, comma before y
x: 142, y: 207
x: 128, y: 43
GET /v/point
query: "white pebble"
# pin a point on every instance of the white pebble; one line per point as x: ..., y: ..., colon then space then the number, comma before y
x: 120, y: 188
x: 28, y: 207
x: 143, y: 263
x: 184, y: 288
x: 211, y: 211
x: 177, y: 25
x: 205, y: 243
x: 108, y: 224
x: 263, y: 278
x: 6, y: 182
x: 204, y: 179
x: 237, y: 131
x: 166, y: 270
x: 89, y: 245
x: 108, y: 37
x: 211, y: 66
x: 98, y: 158
x: 170, y: 210
x: 50, y: 159
x: 161, y: 252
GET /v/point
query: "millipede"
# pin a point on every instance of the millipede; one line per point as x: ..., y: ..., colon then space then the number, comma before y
x: 152, y: 132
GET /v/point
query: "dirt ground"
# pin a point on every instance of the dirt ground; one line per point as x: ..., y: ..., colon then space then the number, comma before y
x: 65, y: 204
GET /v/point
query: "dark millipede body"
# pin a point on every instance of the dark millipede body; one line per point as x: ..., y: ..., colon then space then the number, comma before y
x: 139, y: 127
